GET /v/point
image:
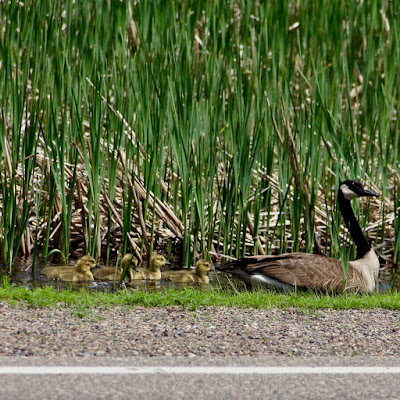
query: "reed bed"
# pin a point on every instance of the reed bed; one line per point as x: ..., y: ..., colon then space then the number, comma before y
x: 196, y: 127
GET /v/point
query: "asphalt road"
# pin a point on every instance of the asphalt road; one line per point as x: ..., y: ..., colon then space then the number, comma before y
x: 200, y: 378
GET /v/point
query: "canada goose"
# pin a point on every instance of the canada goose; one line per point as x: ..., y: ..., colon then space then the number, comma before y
x: 152, y: 272
x: 115, y: 274
x: 199, y: 276
x: 290, y: 270
x: 78, y: 273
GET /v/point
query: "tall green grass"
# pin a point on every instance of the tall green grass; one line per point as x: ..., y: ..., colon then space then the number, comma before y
x: 212, y: 126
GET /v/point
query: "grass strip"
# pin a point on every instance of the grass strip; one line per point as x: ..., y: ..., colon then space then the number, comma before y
x: 192, y: 299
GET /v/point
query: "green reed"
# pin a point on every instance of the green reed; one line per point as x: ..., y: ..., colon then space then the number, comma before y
x: 243, y: 118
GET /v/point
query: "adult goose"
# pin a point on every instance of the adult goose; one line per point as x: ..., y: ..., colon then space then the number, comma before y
x: 301, y: 270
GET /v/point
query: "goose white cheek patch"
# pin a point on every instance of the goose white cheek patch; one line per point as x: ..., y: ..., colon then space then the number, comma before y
x: 348, y: 193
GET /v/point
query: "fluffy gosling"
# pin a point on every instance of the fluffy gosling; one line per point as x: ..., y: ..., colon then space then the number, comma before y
x: 197, y: 276
x: 113, y: 274
x: 78, y: 273
x: 152, y: 272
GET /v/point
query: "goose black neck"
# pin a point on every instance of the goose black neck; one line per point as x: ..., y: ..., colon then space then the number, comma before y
x: 353, y: 226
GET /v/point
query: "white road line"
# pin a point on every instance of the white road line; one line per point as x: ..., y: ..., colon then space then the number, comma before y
x: 185, y: 370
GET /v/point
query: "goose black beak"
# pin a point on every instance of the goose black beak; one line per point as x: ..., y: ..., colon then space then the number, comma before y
x: 96, y: 266
x: 370, y: 193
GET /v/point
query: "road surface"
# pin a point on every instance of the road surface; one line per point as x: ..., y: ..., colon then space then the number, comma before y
x: 199, y: 378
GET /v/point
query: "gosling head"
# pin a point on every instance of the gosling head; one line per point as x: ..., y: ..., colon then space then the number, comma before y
x: 88, y: 259
x: 85, y: 261
x: 202, y: 267
x: 352, y: 189
x: 83, y: 266
x: 129, y: 261
x: 156, y: 262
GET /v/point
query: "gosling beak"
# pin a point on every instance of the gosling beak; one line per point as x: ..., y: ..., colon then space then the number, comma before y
x: 167, y: 262
x: 96, y: 266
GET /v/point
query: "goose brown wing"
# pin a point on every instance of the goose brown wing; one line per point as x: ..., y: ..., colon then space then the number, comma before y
x: 299, y: 269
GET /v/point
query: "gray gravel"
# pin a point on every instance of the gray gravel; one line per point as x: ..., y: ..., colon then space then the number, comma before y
x: 140, y: 331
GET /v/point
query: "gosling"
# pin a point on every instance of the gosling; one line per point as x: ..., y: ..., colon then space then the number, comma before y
x: 79, y: 273
x: 198, y: 276
x: 113, y: 274
x: 152, y: 272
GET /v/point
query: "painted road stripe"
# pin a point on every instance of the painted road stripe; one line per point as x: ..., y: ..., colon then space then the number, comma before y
x: 184, y: 370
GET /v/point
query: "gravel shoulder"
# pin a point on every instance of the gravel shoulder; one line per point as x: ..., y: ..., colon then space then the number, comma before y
x: 147, y: 332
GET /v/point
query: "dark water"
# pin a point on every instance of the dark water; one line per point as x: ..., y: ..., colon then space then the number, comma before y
x: 23, y: 274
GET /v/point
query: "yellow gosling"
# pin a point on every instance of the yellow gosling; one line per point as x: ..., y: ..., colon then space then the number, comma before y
x: 113, y: 274
x: 197, y: 276
x: 82, y: 260
x: 78, y: 273
x: 152, y: 272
